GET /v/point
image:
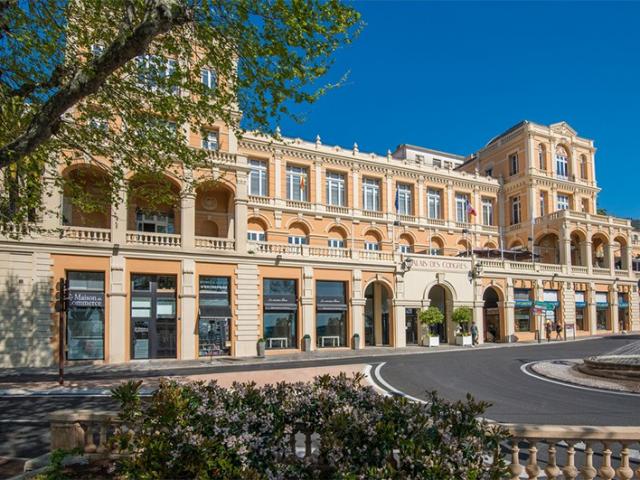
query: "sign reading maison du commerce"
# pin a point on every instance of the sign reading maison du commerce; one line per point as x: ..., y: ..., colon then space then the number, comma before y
x: 86, y: 299
x: 440, y: 265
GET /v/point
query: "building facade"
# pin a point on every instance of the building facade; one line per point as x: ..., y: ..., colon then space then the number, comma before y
x: 297, y: 239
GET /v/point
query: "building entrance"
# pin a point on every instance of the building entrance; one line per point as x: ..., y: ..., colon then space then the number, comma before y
x: 377, y: 316
x: 153, y: 316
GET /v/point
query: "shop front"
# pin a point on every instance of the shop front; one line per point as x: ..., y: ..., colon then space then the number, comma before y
x: 582, y: 322
x: 522, y: 310
x: 602, y: 311
x: 280, y: 313
x: 623, y: 312
x: 331, y: 314
x: 550, y: 298
x: 214, y: 316
x: 85, y: 315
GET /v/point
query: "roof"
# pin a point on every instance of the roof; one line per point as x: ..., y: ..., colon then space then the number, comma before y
x: 428, y: 150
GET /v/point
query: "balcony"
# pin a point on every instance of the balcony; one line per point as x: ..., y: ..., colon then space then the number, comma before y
x: 214, y: 243
x: 337, y: 209
x: 266, y: 248
x: 86, y: 234
x: 373, y: 214
x: 152, y: 239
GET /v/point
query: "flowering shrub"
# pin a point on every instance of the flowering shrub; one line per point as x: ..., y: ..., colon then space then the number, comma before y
x: 205, y: 431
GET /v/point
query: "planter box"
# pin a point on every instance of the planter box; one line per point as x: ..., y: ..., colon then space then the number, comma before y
x: 431, y: 341
x: 464, y: 340
x: 261, y: 348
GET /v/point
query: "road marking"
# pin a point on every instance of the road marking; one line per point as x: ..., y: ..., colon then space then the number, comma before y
x: 524, y: 369
x: 390, y: 389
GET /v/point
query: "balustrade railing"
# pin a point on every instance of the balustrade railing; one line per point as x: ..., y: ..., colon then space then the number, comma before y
x: 601, y: 271
x: 154, y: 239
x: 86, y: 234
x: 297, y: 204
x: 259, y: 200
x: 372, y: 214
x: 579, y: 269
x: 214, y: 243
x: 532, y: 451
x: 337, y: 209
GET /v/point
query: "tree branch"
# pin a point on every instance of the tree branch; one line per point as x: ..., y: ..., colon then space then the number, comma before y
x: 162, y: 17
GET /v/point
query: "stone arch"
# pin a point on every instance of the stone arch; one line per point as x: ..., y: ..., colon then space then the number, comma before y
x: 600, y: 250
x: 620, y: 247
x: 89, y: 182
x: 516, y: 244
x: 378, y: 312
x: 464, y: 246
x: 441, y: 294
x: 259, y: 219
x: 493, y: 314
x: 214, y: 205
x: 150, y: 215
x: 406, y: 239
x: 547, y: 247
x: 578, y: 239
x: 346, y: 233
x: 301, y: 220
x: 563, y: 151
x: 299, y: 228
x: 436, y: 245
x: 376, y: 232
x: 542, y: 157
x: 490, y: 245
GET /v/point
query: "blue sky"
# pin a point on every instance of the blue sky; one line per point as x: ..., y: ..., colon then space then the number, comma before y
x: 451, y: 75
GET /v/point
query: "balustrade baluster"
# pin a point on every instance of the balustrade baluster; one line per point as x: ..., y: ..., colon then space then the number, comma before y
x: 552, y: 469
x: 606, y: 471
x: 89, y: 444
x: 570, y: 471
x: 624, y: 470
x: 587, y: 471
x: 102, y: 445
x: 515, y: 468
x: 533, y: 470
x: 307, y: 444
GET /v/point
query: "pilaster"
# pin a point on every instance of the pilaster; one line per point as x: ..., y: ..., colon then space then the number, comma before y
x: 591, y: 306
x: 188, y: 219
x: 188, y: 312
x: 357, y: 306
x: 117, y: 310
x: 52, y: 202
x: 241, y: 213
x: 421, y: 198
x: 119, y: 218
x: 307, y: 305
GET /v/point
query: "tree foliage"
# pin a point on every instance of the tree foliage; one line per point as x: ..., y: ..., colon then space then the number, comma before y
x: 122, y: 79
x: 431, y: 317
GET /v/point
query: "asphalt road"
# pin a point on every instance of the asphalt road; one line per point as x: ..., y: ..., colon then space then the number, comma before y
x: 492, y: 375
x: 495, y: 376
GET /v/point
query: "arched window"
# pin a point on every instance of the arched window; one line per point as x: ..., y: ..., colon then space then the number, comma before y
x: 542, y: 157
x: 562, y: 162
x: 583, y: 167
x: 405, y: 244
x: 298, y: 234
x: 336, y: 238
x: 372, y: 241
x: 436, y: 247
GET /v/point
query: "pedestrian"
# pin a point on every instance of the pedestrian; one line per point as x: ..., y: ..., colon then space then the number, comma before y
x: 474, y: 334
x: 558, y: 331
x: 547, y: 329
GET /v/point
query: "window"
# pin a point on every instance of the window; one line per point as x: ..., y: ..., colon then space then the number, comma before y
x: 522, y: 310
x: 487, y: 211
x: 331, y: 314
x: 208, y: 78
x: 583, y: 167
x: 297, y: 240
x: 153, y: 69
x: 513, y: 164
x: 296, y: 183
x: 543, y: 201
x: 563, y: 202
x: 256, y: 236
x: 403, y: 199
x: 335, y: 189
x: 433, y: 203
x: 371, y: 246
x: 462, y: 214
x: 258, y: 178
x: 562, y: 163
x: 336, y: 243
x: 437, y: 163
x: 85, y: 316
x: 542, y: 157
x: 154, y: 222
x: 210, y: 140
x: 489, y: 172
x: 280, y: 313
x: 404, y: 248
x: 435, y: 251
x: 371, y: 194
x: 515, y: 211
x: 214, y: 316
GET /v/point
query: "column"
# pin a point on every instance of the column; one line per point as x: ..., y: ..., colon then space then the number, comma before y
x: 508, y: 312
x: 307, y: 300
x: 188, y: 311
x: 634, y: 309
x: 628, y: 256
x: 377, y: 314
x: 588, y: 254
x: 613, y: 302
x: 451, y: 213
x: 277, y: 175
x: 399, y: 313
x: 477, y: 206
x: 188, y: 219
x: 357, y: 306
x: 553, y: 201
x: 610, y: 257
x: 117, y: 311
x: 573, y: 164
x: 421, y: 198
x: 552, y: 158
x: 241, y: 213
x: 390, y: 196
x: 247, y: 311
x: 591, y: 307
x: 319, y: 174
x: 531, y: 157
x: 533, y: 203
x: 355, y: 194
x: 119, y: 218
x: 478, y: 309
x: 51, y: 201
x: 565, y: 247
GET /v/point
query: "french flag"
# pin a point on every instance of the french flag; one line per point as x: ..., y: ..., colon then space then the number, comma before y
x: 470, y: 209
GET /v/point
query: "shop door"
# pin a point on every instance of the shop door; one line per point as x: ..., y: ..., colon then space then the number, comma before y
x: 153, y: 316
x: 411, y: 322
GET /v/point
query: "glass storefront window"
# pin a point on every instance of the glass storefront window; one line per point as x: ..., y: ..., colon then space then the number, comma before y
x: 522, y: 310
x: 331, y: 314
x: 85, y: 316
x: 580, y: 318
x: 602, y: 319
x: 214, y: 316
x: 280, y: 316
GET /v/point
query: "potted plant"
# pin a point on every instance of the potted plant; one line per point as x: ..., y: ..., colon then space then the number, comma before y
x: 355, y: 342
x: 430, y: 318
x: 306, y: 343
x: 463, y: 316
x: 261, y: 346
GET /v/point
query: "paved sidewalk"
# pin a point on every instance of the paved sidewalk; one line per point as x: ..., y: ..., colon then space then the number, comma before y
x: 88, y: 380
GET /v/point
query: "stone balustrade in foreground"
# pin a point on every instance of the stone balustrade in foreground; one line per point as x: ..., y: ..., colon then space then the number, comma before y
x: 534, y: 451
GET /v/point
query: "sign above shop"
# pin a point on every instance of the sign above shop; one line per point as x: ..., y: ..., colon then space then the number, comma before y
x: 440, y: 265
x: 84, y: 299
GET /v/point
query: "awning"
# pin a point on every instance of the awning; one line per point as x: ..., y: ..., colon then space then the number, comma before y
x: 214, y: 311
x: 331, y: 303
